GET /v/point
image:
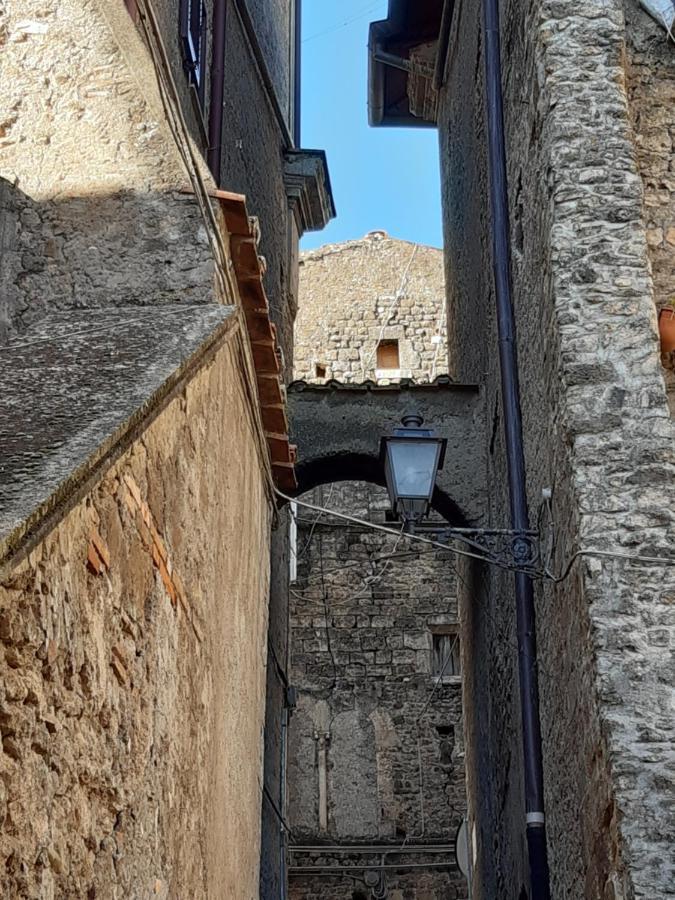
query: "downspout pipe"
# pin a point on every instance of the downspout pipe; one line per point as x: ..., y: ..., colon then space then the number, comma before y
x: 297, y: 74
x: 515, y: 457
x: 215, y: 151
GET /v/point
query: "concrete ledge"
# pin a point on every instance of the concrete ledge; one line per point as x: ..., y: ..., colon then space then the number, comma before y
x: 77, y: 388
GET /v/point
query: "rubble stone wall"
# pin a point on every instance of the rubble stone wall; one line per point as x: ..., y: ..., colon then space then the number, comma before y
x: 95, y: 207
x: 365, y: 606
x: 132, y: 644
x: 356, y: 294
x: 363, y: 612
x: 597, y: 431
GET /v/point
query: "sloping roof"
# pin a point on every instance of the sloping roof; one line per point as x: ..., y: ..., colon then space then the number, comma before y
x: 262, y: 334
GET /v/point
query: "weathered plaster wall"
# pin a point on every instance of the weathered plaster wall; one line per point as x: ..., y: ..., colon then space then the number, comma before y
x: 274, y: 24
x: 361, y: 292
x: 94, y: 214
x: 133, y: 661
x: 362, y: 614
x: 597, y: 430
x: 253, y: 138
x: 253, y: 160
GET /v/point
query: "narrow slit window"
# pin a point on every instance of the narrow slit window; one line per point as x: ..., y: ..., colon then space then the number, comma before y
x: 387, y: 355
x: 446, y: 655
x: 319, y: 371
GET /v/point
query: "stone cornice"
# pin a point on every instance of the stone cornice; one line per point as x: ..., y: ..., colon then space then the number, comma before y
x: 308, y: 189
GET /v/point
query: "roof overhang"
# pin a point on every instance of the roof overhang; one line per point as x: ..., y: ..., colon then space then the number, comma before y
x: 308, y: 189
x: 410, y: 23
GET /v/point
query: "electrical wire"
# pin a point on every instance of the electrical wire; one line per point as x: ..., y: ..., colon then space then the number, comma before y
x: 361, y: 15
x: 567, y: 568
x: 407, y: 535
x: 389, y: 559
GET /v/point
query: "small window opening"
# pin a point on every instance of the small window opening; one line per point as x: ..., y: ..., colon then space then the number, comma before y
x: 445, y: 730
x: 319, y: 371
x: 446, y: 655
x: 387, y: 355
x: 193, y: 34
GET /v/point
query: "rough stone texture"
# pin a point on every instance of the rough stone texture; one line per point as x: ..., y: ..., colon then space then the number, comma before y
x: 254, y: 139
x: 89, y: 253
x: 99, y: 211
x: 77, y: 389
x: 133, y: 669
x: 650, y: 81
x: 355, y: 295
x: 273, y: 21
x: 364, y: 605
x: 597, y: 430
x: 253, y: 163
x: 362, y: 612
x: 92, y: 215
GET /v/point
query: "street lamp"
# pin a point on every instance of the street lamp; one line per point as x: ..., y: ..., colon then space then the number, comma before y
x: 412, y: 456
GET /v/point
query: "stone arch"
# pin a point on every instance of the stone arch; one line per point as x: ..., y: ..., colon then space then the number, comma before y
x: 363, y: 467
x: 337, y: 430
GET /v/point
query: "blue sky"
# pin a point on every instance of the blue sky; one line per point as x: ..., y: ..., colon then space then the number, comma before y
x: 382, y: 177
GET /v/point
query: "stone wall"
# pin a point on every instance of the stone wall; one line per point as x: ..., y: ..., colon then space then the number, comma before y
x: 363, y: 611
x: 253, y: 164
x: 133, y: 668
x: 359, y: 293
x: 371, y: 712
x: 597, y: 430
x: 650, y: 82
x: 97, y: 211
x: 254, y: 140
x: 108, y: 222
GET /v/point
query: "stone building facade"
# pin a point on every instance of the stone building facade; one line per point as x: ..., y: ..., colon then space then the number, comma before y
x: 376, y: 754
x: 371, y: 309
x: 142, y: 434
x: 589, y: 125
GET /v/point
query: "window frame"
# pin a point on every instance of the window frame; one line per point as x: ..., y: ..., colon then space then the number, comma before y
x: 386, y: 343
x: 193, y: 31
x: 449, y: 631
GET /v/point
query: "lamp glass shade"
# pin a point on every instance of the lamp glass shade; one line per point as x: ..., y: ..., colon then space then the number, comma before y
x: 410, y: 468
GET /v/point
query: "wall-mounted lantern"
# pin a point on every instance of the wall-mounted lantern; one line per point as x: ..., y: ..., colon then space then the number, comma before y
x: 412, y: 456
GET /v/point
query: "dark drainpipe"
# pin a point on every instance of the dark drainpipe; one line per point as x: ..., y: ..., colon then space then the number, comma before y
x: 513, y: 427
x: 297, y: 72
x: 215, y: 151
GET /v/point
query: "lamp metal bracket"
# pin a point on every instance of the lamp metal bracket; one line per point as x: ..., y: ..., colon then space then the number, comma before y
x: 501, y: 546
